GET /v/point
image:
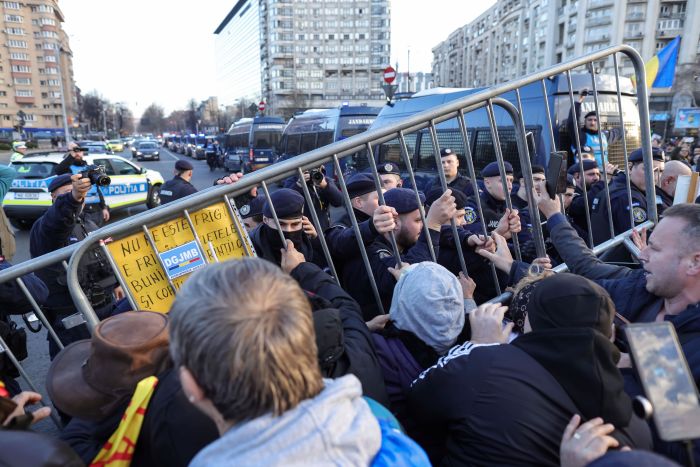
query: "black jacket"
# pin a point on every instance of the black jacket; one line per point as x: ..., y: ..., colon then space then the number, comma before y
x: 496, y: 405
x: 359, y: 356
x: 173, y: 430
x: 175, y: 188
x: 321, y: 197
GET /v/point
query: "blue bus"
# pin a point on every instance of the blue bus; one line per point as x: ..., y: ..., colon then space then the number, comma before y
x: 315, y: 128
x: 252, y: 143
x: 420, y: 146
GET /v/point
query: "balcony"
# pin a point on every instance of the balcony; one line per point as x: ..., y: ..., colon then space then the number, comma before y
x: 632, y: 35
x: 24, y: 100
x: 595, y: 39
x: 598, y: 21
x: 635, y: 16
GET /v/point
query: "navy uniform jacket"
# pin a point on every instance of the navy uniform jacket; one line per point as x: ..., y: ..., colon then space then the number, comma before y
x: 619, y: 204
x: 341, y: 236
x: 380, y: 259
x: 493, y: 211
x: 460, y: 183
x: 663, y: 200
x: 517, y: 202
x: 321, y: 197
x: 627, y: 288
x: 577, y: 209
x: 175, y: 189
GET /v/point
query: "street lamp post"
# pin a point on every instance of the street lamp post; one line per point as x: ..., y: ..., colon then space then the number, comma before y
x: 66, y: 129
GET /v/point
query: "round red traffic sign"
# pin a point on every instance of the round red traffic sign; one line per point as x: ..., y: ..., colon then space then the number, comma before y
x: 389, y: 75
x: 261, y: 106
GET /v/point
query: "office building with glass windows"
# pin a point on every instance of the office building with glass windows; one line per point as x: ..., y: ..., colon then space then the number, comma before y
x: 303, y: 54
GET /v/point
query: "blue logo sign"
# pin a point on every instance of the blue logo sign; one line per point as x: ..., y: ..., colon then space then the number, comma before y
x: 182, y: 259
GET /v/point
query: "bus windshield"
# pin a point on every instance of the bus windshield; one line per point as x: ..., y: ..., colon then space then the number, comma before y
x: 267, y: 138
x: 354, y: 124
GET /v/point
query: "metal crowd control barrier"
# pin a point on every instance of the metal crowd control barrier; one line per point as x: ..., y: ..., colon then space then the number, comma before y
x: 185, y: 211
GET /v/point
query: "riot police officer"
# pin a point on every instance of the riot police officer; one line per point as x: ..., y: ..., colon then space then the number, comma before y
x: 496, y: 215
x: 252, y: 212
x: 390, y: 174
x: 455, y: 181
x: 619, y: 201
x: 519, y: 199
x: 179, y: 186
x: 61, y: 225
x: 95, y: 207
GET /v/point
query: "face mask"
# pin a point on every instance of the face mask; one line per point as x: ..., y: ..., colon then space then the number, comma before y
x: 296, y: 237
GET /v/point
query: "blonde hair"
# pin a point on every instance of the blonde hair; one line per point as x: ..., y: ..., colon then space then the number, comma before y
x: 244, y: 330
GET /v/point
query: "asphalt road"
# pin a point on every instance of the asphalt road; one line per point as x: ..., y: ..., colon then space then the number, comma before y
x: 38, y: 362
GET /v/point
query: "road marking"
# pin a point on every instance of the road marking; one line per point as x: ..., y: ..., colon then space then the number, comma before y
x: 171, y: 154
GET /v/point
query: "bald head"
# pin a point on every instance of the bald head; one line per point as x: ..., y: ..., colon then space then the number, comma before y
x: 669, y: 178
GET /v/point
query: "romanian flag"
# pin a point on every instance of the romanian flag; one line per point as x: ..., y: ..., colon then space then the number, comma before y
x: 119, y: 449
x: 661, y: 69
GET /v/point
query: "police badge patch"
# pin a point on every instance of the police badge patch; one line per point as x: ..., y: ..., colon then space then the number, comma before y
x: 245, y: 209
x: 639, y: 214
x: 388, y: 167
x: 469, y: 215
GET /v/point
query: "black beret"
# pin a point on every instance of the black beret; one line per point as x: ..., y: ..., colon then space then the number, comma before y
x: 491, y: 170
x: 588, y: 164
x: 183, y: 165
x: 435, y: 193
x: 388, y: 168
x: 58, y: 182
x: 570, y: 181
x: 403, y: 199
x: 447, y: 152
x: 288, y: 204
x: 360, y: 184
x: 253, y: 208
x: 536, y: 169
x: 638, y: 156
x: 589, y: 114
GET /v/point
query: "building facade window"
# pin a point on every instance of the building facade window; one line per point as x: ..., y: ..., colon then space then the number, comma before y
x: 23, y: 93
x: 13, y: 19
x: 15, y: 31
x: 21, y: 69
x: 17, y: 44
x: 19, y: 56
x: 23, y: 81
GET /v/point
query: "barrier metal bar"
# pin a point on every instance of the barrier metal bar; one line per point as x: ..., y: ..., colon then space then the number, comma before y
x: 503, y: 298
x: 338, y: 149
x: 232, y: 209
x: 358, y: 234
x: 6, y: 350
x: 443, y: 184
x: 624, y: 141
x: 407, y: 161
x: 475, y: 188
x: 196, y: 236
x: 70, y: 321
x: 613, y: 242
x: 120, y: 278
x: 550, y: 125
x: 582, y: 180
x: 274, y: 215
x: 317, y: 225
x: 603, y: 152
x: 213, y: 251
x: 39, y: 314
x: 502, y: 171
x: 526, y: 170
x: 380, y: 195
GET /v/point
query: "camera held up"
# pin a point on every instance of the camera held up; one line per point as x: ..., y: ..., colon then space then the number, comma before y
x: 97, y: 175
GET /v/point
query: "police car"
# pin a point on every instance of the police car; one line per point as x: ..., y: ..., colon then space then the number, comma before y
x: 28, y: 198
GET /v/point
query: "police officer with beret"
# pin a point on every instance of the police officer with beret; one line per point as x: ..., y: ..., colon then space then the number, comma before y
x: 519, y: 199
x: 497, y: 217
x: 323, y: 193
x: 95, y: 207
x: 289, y: 206
x: 411, y: 241
x: 61, y: 225
x: 179, y: 186
x: 390, y: 174
x: 252, y: 212
x: 619, y: 202
x: 455, y: 181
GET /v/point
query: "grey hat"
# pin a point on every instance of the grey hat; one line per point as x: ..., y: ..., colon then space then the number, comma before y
x: 428, y: 302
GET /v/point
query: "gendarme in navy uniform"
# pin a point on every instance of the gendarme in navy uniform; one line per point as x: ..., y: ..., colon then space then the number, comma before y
x: 179, y: 186
x: 455, y: 181
x: 390, y: 175
x: 619, y: 201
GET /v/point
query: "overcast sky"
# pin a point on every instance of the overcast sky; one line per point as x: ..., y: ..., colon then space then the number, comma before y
x: 140, y: 52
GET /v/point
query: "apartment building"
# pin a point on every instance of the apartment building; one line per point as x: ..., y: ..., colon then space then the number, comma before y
x: 303, y: 54
x: 517, y: 37
x: 36, y: 69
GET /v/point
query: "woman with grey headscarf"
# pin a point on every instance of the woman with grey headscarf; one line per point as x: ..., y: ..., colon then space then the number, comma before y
x: 427, y: 316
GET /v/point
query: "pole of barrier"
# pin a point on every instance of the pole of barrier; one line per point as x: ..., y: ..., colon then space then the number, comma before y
x: 240, y: 230
x: 624, y: 140
x: 274, y: 215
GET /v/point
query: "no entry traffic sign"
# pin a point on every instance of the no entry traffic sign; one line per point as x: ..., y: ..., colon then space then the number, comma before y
x: 389, y: 75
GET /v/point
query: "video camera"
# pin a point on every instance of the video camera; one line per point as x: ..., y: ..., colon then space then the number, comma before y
x: 96, y: 174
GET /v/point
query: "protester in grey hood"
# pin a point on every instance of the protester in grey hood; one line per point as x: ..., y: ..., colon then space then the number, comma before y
x: 338, y: 428
x: 428, y: 301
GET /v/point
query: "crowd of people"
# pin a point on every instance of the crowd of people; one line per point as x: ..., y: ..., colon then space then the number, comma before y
x: 358, y: 339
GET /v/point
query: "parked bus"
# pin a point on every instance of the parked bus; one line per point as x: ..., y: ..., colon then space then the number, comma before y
x: 315, y: 128
x: 252, y: 143
x: 420, y: 147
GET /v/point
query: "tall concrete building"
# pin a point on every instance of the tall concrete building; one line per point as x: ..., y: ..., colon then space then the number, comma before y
x: 36, y: 69
x: 517, y: 37
x: 303, y: 54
